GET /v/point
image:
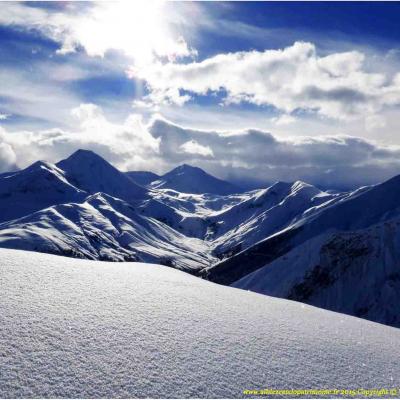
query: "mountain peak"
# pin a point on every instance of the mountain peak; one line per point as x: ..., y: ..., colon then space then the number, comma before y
x: 83, y: 155
x: 188, y: 179
x: 92, y: 173
x: 39, y: 164
x: 185, y: 168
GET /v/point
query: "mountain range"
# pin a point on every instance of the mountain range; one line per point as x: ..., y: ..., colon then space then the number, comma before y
x: 338, y: 251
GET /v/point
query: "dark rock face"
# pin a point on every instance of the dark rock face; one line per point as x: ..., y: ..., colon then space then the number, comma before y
x: 319, y: 277
x: 249, y: 260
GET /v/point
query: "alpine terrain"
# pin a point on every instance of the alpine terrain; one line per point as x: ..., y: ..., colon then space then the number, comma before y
x: 338, y: 251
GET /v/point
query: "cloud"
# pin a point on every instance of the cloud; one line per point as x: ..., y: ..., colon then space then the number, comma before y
x: 193, y: 147
x: 247, y: 156
x: 140, y: 31
x: 284, y: 119
x: 128, y: 145
x: 260, y: 157
x: 3, y: 117
x: 7, y: 156
x: 374, y: 122
x: 336, y: 86
x: 32, y: 94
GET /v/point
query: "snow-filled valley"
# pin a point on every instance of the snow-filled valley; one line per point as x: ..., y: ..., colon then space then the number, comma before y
x: 89, y: 329
x: 338, y: 251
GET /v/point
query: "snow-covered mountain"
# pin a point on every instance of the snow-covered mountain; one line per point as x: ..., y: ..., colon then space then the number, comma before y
x: 34, y: 188
x: 188, y: 179
x: 346, y: 212
x: 86, y: 329
x: 89, y: 172
x: 104, y: 228
x: 356, y: 273
x: 84, y: 207
x: 343, y: 257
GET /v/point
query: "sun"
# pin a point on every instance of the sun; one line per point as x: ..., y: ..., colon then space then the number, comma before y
x: 140, y: 29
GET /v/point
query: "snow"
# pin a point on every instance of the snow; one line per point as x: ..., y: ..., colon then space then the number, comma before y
x: 58, y: 213
x: 78, y: 328
x: 84, y: 207
x: 357, y: 273
x: 91, y: 173
x: 36, y: 187
x: 266, y: 212
x: 105, y: 228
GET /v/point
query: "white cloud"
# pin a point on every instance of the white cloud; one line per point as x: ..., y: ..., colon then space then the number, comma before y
x: 374, y: 122
x: 128, y: 145
x: 336, y: 86
x: 7, y: 155
x: 249, y: 155
x: 193, y: 147
x: 3, y: 117
x: 283, y: 120
x: 139, y: 29
x: 30, y: 94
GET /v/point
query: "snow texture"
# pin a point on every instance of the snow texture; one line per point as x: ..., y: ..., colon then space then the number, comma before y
x: 78, y: 328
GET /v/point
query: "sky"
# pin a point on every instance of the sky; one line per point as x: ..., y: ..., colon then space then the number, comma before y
x: 253, y: 92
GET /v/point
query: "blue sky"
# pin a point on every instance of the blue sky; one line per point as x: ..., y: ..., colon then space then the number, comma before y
x: 310, y: 78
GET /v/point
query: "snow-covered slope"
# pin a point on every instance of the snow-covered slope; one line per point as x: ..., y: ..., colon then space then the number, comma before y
x: 36, y: 187
x: 356, y: 272
x: 359, y: 209
x: 264, y: 213
x: 104, y: 228
x: 188, y: 179
x: 88, y: 329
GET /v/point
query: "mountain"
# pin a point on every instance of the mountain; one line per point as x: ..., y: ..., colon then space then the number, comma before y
x: 91, y: 173
x: 188, y: 179
x: 290, y: 240
x: 356, y: 273
x: 356, y: 210
x: 142, y: 178
x: 264, y: 213
x: 87, y: 329
x: 343, y: 257
x: 104, y: 228
x: 34, y: 188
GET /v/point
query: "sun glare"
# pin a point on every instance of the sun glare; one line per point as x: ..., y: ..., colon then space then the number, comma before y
x: 139, y: 29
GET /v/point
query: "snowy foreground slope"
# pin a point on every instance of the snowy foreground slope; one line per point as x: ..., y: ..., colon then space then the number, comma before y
x: 78, y: 328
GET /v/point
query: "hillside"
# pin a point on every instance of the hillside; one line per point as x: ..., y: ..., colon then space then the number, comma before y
x: 356, y: 273
x: 80, y: 329
x: 348, y: 212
